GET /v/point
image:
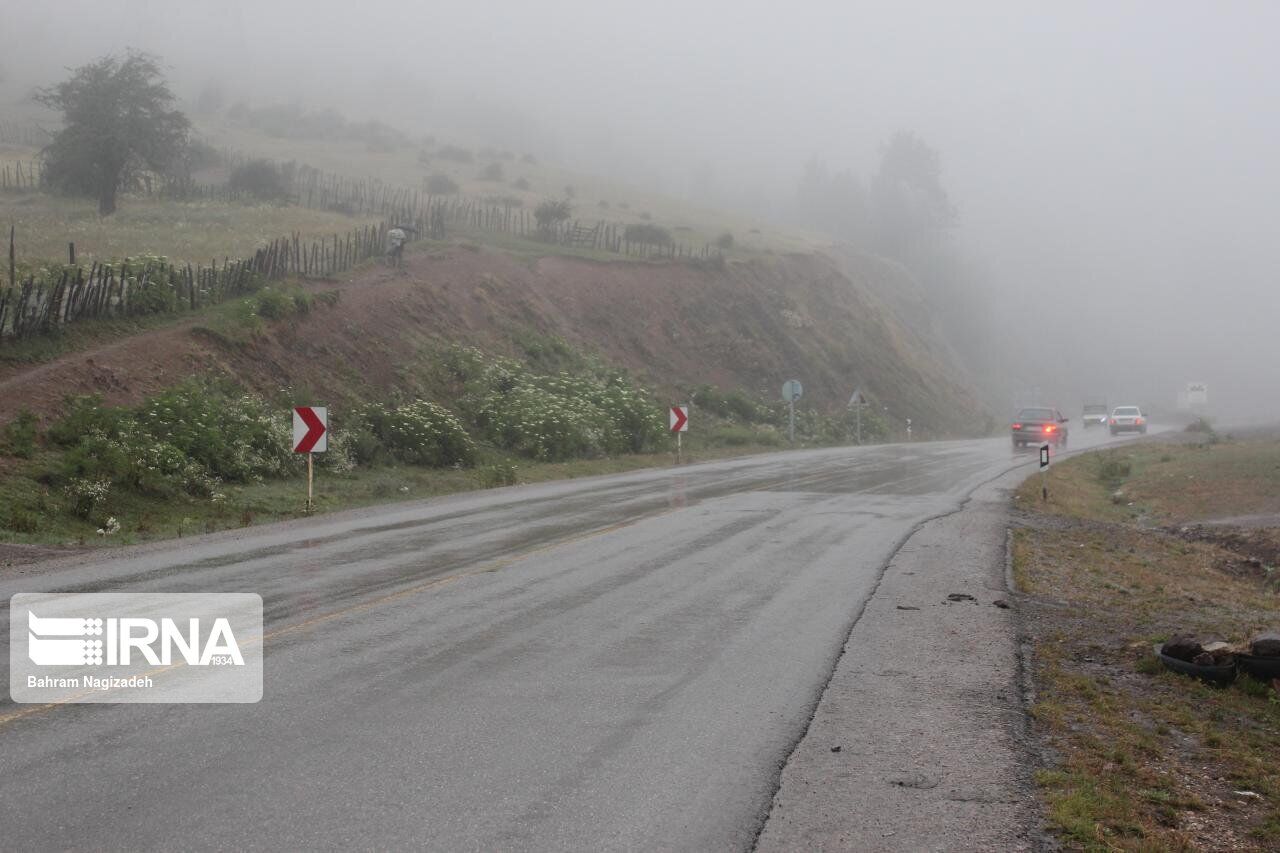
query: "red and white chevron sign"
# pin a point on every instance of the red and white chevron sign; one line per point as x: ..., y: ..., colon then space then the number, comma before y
x: 310, y: 429
x: 678, y: 419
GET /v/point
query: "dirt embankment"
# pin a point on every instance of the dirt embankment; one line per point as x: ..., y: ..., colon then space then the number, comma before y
x: 748, y: 325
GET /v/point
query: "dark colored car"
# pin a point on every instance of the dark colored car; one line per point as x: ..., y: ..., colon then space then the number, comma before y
x: 1127, y: 419
x: 1037, y: 425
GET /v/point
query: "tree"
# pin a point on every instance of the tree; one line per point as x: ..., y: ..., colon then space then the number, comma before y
x: 551, y: 213
x: 834, y: 202
x: 119, y: 121
x: 911, y: 208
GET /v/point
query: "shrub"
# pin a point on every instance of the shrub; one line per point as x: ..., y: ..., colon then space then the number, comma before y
x: 496, y: 475
x: 84, y: 415
x: 521, y: 183
x: 420, y: 433
x: 551, y: 213
x: 491, y: 172
x: 187, y: 440
x: 733, y: 404
x: 86, y: 496
x: 1112, y: 471
x: 20, y: 435
x: 555, y: 417
x: 455, y: 153
x: 650, y: 235
x: 439, y: 184
x: 260, y: 179
x: 273, y: 304
x: 725, y: 241
x: 23, y: 521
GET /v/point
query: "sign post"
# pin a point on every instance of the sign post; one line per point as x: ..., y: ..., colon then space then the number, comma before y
x: 791, y: 391
x: 678, y: 422
x: 310, y: 436
x: 856, y: 402
x: 1044, y: 468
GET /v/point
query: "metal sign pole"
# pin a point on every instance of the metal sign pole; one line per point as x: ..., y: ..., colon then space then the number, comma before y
x: 858, y: 412
x: 679, y: 435
x: 309, y: 481
x: 791, y: 421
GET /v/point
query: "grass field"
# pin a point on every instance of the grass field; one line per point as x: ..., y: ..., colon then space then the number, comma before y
x: 1141, y: 758
x: 195, y: 232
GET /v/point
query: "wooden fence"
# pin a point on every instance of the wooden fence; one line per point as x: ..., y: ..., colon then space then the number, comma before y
x: 41, y: 304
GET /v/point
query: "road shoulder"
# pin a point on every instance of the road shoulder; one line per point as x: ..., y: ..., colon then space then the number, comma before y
x: 918, y: 741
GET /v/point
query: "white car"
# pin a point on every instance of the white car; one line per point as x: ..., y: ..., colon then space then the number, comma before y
x: 1127, y: 419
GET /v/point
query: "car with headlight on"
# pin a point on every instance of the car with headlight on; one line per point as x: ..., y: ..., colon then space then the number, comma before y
x: 1127, y: 419
x: 1094, y: 414
x: 1037, y: 425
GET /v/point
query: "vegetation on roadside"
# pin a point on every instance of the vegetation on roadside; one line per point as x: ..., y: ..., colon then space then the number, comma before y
x: 1141, y: 758
x: 207, y: 454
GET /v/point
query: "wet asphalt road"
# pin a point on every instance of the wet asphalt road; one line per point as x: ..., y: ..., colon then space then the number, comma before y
x: 620, y: 662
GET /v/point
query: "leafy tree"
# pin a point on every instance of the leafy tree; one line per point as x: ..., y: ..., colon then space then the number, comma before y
x: 551, y: 213
x: 120, y: 121
x: 912, y: 210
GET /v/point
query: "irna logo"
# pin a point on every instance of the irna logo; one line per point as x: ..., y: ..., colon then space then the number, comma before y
x: 135, y: 647
x: 81, y: 641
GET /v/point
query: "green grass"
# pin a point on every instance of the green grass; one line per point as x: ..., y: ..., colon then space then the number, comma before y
x: 195, y: 232
x: 1147, y: 759
x: 45, y: 520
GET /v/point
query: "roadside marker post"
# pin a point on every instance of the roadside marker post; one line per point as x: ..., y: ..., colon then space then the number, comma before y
x: 1044, y: 469
x: 310, y: 436
x: 791, y: 391
x: 856, y: 402
x: 678, y: 422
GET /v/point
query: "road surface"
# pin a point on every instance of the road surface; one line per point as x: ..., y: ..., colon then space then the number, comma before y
x: 618, y: 662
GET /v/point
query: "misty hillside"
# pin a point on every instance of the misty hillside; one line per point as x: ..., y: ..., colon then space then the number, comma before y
x: 746, y: 326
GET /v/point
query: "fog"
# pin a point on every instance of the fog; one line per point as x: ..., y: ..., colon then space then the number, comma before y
x: 1112, y: 165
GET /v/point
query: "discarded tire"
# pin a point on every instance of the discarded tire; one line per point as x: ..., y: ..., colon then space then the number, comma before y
x: 1223, y: 673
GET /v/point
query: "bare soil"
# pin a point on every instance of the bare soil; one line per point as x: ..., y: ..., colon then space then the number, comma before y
x: 747, y: 325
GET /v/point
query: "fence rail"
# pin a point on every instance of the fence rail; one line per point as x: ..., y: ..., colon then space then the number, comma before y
x: 42, y: 304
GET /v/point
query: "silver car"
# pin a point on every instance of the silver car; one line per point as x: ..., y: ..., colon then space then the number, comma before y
x: 1127, y: 419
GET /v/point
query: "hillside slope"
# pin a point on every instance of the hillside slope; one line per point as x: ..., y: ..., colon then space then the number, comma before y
x: 748, y: 325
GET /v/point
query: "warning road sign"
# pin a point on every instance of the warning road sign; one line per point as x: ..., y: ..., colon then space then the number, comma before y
x: 678, y: 418
x: 310, y: 429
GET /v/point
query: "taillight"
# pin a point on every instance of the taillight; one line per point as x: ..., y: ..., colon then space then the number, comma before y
x: 1112, y: 422
x: 1049, y: 427
x: 1138, y: 421
x: 1017, y: 426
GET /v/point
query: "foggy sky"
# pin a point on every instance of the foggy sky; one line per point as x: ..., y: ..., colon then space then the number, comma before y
x: 1113, y: 163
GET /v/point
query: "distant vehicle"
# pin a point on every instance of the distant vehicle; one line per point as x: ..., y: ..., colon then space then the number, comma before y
x: 1094, y: 414
x: 1037, y: 425
x: 1127, y: 419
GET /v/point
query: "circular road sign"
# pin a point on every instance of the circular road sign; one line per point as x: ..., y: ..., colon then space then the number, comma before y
x: 791, y: 390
